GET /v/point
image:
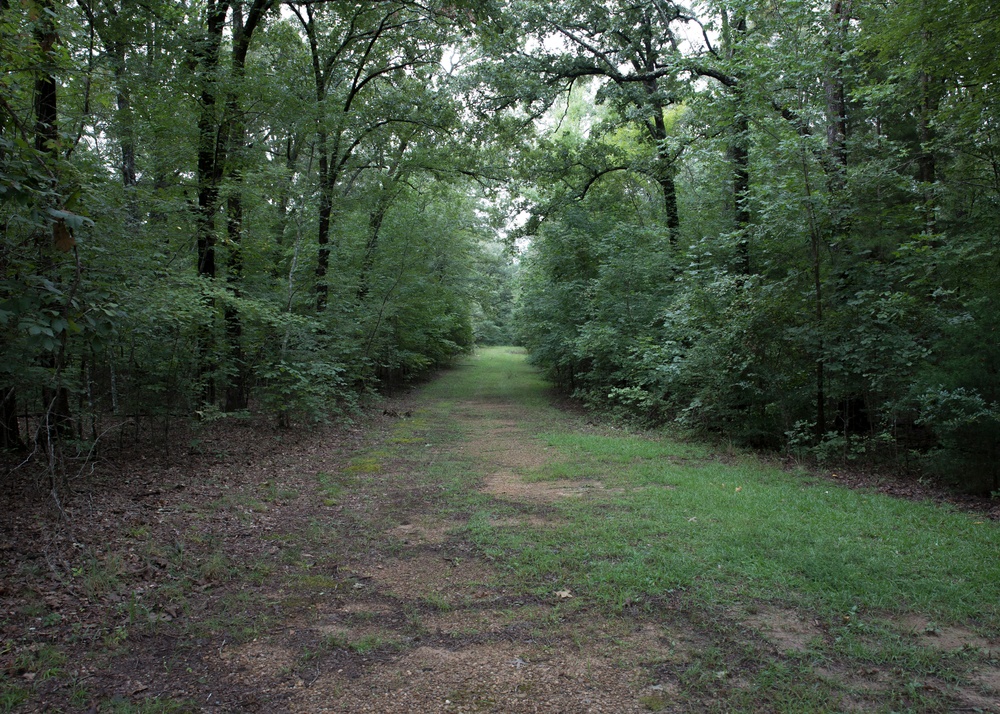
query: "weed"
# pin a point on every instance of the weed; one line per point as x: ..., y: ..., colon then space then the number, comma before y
x: 11, y: 694
x: 43, y: 661
x: 100, y: 576
x: 80, y: 696
x: 216, y: 567
x: 436, y: 601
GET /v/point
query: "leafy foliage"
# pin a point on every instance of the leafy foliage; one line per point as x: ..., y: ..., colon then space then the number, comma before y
x: 831, y: 289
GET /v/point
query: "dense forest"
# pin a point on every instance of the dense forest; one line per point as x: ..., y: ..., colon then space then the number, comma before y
x: 772, y: 221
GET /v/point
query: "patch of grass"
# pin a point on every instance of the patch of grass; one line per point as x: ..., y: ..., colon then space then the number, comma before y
x: 273, y: 492
x: 333, y: 486
x: 100, y: 575
x: 370, y: 643
x: 560, y: 471
x: 43, y: 661
x: 624, y: 448
x: 436, y: 601
x: 364, y: 465
x: 80, y: 696
x: 259, y: 571
x: 11, y: 693
x: 363, y: 645
x: 216, y: 567
x: 760, y: 530
x: 655, y: 702
x: 237, y: 617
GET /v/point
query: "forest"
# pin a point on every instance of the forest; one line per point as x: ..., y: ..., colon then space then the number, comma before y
x: 772, y: 222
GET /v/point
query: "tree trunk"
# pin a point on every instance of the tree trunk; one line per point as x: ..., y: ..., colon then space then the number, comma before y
x: 243, y: 28
x: 46, y: 127
x: 326, y: 180
x: 323, y: 236
x: 55, y: 398
x: 10, y: 432
x: 211, y: 159
x: 236, y: 389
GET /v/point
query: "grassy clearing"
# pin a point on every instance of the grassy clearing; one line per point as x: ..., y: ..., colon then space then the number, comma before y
x: 676, y: 528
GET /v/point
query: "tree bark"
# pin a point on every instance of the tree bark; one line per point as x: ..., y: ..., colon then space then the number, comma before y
x: 10, y: 432
x: 211, y: 159
x: 215, y: 137
x: 243, y: 29
x: 926, y: 159
x: 55, y: 398
x: 46, y: 126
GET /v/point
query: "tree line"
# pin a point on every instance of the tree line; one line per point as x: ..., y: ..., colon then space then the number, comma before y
x: 212, y: 206
x: 775, y: 222
x: 771, y: 221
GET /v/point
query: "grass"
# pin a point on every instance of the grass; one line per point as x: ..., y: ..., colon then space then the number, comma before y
x: 764, y: 531
x: 671, y: 517
x: 11, y: 694
x: 678, y: 526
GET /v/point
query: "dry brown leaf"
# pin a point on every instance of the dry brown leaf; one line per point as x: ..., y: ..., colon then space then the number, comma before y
x: 62, y: 237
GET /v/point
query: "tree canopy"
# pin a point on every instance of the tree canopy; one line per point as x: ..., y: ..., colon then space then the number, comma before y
x: 771, y: 221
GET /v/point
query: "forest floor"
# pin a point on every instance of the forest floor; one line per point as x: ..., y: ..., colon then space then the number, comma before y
x: 476, y: 548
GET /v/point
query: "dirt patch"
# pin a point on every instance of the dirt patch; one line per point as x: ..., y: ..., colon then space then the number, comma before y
x: 510, y: 485
x: 946, y: 637
x: 429, y: 576
x: 256, y: 662
x: 988, y: 678
x: 488, y: 620
x: 504, y: 676
x: 370, y: 609
x: 785, y: 629
x: 423, y: 532
x: 506, y: 451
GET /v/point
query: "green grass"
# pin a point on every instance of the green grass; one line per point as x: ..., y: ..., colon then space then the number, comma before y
x: 763, y: 532
x: 674, y: 518
x: 11, y: 694
x: 717, y: 537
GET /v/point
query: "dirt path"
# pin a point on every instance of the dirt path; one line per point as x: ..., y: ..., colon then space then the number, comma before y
x: 344, y: 570
x: 429, y: 625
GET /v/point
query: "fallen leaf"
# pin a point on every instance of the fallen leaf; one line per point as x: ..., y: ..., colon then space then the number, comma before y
x: 61, y: 237
x: 563, y: 594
